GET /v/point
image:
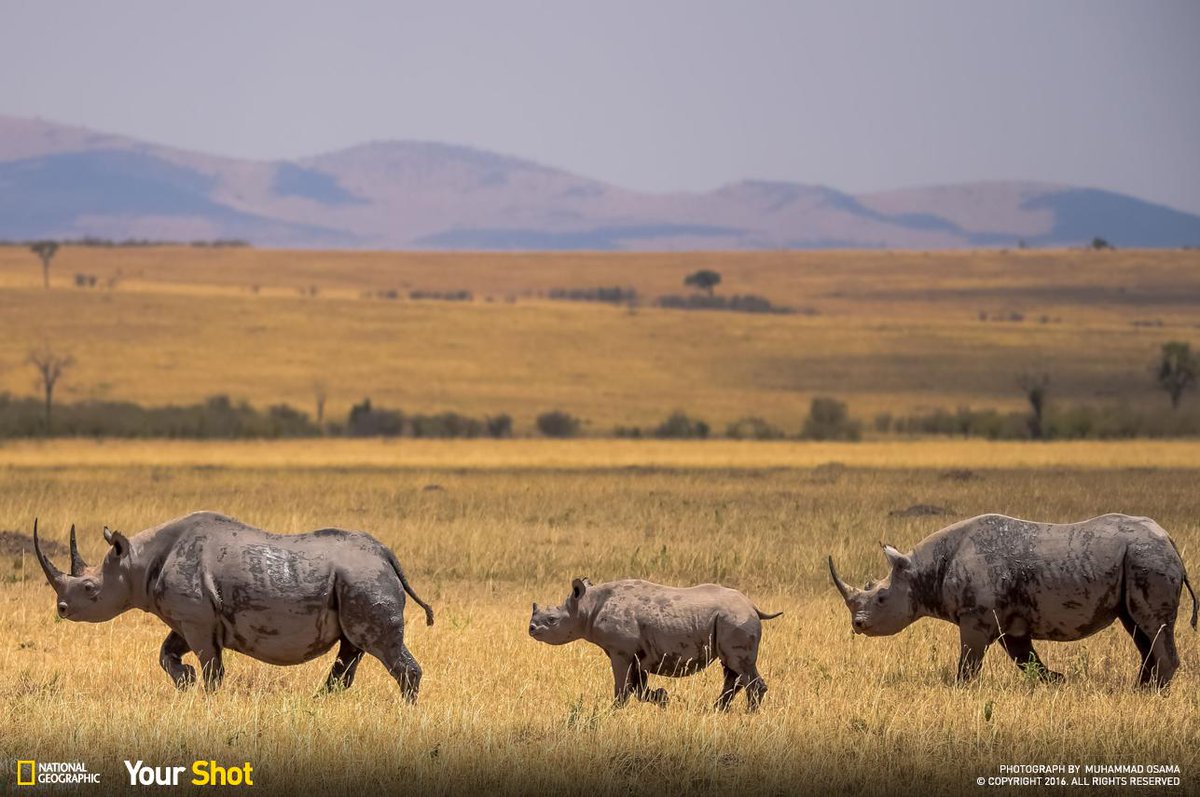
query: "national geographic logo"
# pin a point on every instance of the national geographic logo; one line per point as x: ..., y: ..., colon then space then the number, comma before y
x: 54, y: 773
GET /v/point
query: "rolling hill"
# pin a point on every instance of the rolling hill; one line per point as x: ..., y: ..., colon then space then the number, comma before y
x: 70, y: 182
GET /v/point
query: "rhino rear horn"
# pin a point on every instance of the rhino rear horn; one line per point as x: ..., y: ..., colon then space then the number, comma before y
x: 842, y: 587
x: 53, y: 574
x: 77, y: 563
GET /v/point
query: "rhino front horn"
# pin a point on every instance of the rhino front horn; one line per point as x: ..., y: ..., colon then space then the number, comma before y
x: 53, y: 574
x: 842, y: 587
x: 77, y: 563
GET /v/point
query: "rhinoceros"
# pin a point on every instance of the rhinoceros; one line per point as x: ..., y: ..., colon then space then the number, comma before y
x: 220, y: 584
x: 672, y: 631
x: 1003, y: 579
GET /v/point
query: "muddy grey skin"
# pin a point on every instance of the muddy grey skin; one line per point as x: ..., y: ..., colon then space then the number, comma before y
x: 1000, y: 579
x: 220, y: 584
x: 647, y: 628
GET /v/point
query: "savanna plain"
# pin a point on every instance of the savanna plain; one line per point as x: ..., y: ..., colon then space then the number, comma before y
x: 483, y: 528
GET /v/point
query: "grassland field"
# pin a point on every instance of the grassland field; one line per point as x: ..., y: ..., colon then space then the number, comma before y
x: 504, y: 714
x: 893, y: 332
x: 485, y: 527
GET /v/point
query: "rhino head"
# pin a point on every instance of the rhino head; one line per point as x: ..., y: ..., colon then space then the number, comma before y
x: 884, y: 607
x: 90, y: 594
x: 558, y: 625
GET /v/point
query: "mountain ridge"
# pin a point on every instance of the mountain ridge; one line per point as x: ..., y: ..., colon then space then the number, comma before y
x: 66, y: 181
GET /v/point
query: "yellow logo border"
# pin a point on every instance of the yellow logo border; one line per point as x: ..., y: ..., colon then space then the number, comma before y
x: 32, y: 773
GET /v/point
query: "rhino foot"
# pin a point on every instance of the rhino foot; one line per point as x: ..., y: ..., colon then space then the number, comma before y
x: 658, y: 696
x: 185, y: 677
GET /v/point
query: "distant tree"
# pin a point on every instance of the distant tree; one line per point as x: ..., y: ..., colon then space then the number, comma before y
x: 499, y: 425
x: 1099, y: 243
x: 320, y: 396
x: 829, y: 419
x: 557, y: 423
x: 1035, y: 387
x: 46, y: 251
x: 1177, y: 370
x: 50, y: 366
x: 704, y: 279
x: 679, y: 425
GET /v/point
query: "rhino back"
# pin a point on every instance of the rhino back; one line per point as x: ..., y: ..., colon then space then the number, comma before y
x: 1051, y: 581
x: 634, y: 616
x: 271, y: 596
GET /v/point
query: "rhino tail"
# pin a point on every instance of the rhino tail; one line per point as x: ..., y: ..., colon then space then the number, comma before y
x: 404, y: 582
x: 1195, y: 606
x: 764, y: 616
x: 1186, y: 583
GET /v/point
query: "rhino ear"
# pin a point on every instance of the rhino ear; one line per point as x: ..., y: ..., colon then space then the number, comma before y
x: 897, y: 560
x: 117, y: 540
x: 578, y: 587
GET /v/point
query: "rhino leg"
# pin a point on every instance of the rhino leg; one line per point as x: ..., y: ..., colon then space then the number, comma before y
x: 170, y: 656
x: 372, y: 620
x: 208, y: 651
x: 1152, y: 601
x: 399, y: 662
x: 404, y: 668
x: 623, y: 668
x: 638, y: 682
x: 1145, y: 649
x: 737, y: 647
x: 341, y: 676
x: 733, y: 685
x: 1166, y: 657
x: 1020, y: 650
x: 973, y: 643
x: 1157, y: 653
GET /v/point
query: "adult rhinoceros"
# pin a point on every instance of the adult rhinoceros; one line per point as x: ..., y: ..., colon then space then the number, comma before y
x: 1013, y: 581
x: 220, y: 584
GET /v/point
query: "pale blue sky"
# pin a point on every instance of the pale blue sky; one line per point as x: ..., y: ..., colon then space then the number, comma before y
x: 651, y: 95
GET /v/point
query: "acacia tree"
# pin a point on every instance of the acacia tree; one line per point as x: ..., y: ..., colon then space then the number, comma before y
x: 1035, y: 387
x: 50, y: 366
x: 1177, y: 370
x: 704, y: 279
x: 46, y: 251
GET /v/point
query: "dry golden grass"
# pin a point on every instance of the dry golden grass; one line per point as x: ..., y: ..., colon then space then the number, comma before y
x: 588, y: 454
x: 504, y: 714
x: 895, y: 331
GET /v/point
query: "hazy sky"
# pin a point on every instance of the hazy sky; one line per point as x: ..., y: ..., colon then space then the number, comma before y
x: 651, y: 95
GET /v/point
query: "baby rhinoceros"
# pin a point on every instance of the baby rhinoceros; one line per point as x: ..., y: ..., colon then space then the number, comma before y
x: 648, y: 628
x: 221, y: 585
x: 1013, y: 581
